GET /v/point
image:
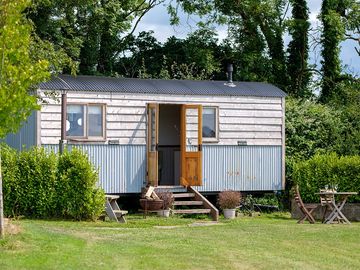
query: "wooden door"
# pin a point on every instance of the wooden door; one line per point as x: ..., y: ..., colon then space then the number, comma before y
x: 191, y: 145
x: 152, y: 144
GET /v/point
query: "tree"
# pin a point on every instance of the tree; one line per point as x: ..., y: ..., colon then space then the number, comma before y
x: 259, y: 20
x: 91, y: 34
x: 18, y: 71
x: 331, y: 36
x: 298, y: 50
x: 141, y: 51
x: 352, y: 23
x: 196, y: 57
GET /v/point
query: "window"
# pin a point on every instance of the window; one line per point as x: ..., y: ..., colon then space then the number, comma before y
x: 210, y: 124
x: 85, y: 121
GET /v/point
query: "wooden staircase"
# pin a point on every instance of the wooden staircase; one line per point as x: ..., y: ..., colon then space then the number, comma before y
x: 190, y: 201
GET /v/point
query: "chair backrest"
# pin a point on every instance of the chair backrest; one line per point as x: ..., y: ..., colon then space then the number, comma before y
x: 324, y: 200
x: 297, y: 198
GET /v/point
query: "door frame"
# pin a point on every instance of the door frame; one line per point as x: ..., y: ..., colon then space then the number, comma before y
x: 187, y: 158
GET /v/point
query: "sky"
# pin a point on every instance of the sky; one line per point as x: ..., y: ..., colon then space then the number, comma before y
x: 157, y: 20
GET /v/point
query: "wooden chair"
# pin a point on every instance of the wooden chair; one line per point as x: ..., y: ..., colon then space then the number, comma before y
x: 325, y: 201
x: 305, y: 210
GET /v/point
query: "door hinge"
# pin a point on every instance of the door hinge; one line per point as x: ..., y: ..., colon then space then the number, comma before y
x: 157, y: 147
x: 200, y: 148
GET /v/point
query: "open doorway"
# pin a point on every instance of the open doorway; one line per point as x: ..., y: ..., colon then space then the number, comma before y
x: 169, y: 144
x: 174, y: 144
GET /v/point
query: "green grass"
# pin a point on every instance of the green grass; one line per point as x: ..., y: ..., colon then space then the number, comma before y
x: 266, y: 242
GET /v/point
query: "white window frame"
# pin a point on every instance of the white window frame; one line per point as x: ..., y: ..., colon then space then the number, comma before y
x: 216, y: 138
x: 86, y: 136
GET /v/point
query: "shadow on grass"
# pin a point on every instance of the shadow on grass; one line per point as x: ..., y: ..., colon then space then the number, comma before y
x: 278, y: 216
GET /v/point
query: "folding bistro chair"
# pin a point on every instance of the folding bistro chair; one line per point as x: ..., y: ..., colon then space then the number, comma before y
x: 305, y: 210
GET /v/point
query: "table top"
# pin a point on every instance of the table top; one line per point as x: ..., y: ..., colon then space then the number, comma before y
x: 336, y: 193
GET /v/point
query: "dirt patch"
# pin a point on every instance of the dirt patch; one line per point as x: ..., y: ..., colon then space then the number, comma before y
x: 206, y: 223
x: 11, y: 228
x: 195, y: 224
x: 168, y: 227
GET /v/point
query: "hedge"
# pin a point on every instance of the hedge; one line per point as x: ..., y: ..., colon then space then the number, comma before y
x: 41, y: 184
x: 329, y: 169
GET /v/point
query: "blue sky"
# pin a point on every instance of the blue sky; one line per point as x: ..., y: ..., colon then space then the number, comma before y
x: 157, y: 20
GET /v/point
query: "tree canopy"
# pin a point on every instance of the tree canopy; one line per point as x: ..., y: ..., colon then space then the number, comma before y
x: 19, y: 72
x: 96, y: 38
x: 86, y: 36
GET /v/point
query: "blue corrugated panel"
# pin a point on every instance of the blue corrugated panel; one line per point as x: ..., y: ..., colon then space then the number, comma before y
x: 244, y: 168
x: 121, y: 167
x: 26, y: 137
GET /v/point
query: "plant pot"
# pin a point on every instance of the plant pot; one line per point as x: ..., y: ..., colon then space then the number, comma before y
x: 164, y: 213
x: 229, y: 213
x: 151, y: 205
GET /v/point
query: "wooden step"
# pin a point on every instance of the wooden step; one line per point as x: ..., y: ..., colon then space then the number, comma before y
x: 184, y: 195
x: 112, y: 197
x: 188, y: 203
x: 173, y: 189
x: 120, y: 212
x: 169, y: 187
x: 191, y: 211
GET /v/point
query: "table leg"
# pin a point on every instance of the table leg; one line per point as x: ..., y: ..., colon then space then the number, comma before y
x: 336, y: 213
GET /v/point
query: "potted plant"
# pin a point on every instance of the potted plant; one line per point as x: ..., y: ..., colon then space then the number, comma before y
x: 228, y: 201
x: 168, y: 199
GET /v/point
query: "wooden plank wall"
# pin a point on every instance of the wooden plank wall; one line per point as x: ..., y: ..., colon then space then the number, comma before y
x: 257, y: 120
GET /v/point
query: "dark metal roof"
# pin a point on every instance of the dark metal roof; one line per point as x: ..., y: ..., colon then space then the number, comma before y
x: 156, y: 86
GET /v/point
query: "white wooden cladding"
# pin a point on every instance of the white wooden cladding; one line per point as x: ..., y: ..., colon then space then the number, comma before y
x: 256, y: 120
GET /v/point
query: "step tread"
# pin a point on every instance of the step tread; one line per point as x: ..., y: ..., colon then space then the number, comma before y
x: 112, y: 197
x: 124, y: 212
x: 169, y: 187
x: 184, y: 195
x: 188, y: 203
x: 191, y: 211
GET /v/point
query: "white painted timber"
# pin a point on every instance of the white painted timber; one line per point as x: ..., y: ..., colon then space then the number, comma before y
x: 256, y: 120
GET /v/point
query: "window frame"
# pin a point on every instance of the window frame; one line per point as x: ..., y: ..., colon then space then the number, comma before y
x: 216, y: 138
x: 86, y: 136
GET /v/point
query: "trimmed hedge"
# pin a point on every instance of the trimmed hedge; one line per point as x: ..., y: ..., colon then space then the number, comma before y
x: 330, y: 169
x: 42, y: 184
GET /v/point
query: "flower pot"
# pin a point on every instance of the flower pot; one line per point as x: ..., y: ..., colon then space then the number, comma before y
x: 229, y: 213
x: 151, y: 205
x: 164, y: 213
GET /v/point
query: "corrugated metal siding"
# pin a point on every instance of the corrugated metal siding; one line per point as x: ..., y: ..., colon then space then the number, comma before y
x: 26, y: 137
x: 244, y: 168
x: 121, y: 167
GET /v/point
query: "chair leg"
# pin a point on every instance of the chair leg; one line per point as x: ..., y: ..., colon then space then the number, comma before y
x: 301, y: 220
x: 311, y: 218
x: 307, y: 217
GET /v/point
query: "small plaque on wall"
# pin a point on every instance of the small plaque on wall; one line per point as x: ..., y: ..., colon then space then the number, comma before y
x: 113, y: 142
x: 242, y: 143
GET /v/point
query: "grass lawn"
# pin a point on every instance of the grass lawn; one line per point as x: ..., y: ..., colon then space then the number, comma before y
x: 266, y: 242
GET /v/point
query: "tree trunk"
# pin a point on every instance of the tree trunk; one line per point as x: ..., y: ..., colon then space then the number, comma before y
x: 2, y: 221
